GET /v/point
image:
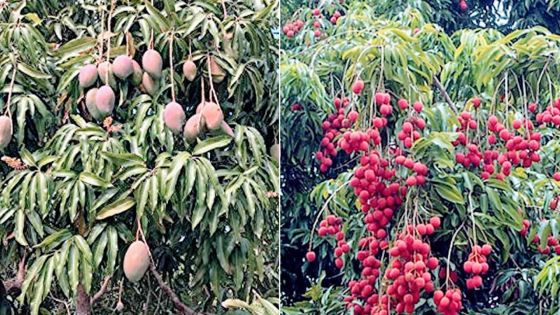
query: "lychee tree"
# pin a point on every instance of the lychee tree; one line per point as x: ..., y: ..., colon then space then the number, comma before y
x: 419, y: 167
x: 452, y: 15
x: 95, y: 96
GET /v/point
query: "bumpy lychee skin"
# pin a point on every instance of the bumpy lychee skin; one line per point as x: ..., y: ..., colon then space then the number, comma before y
x: 150, y: 85
x: 193, y: 127
x: 213, y: 115
x: 105, y: 100
x: 463, y: 5
x: 6, y: 131
x: 136, y: 261
x: 174, y: 117
x: 137, y: 72
x: 123, y: 67
x: 87, y: 76
x: 358, y: 86
x: 275, y: 152
x: 189, y: 70
x: 310, y: 256
x: 152, y: 63
x: 91, y: 105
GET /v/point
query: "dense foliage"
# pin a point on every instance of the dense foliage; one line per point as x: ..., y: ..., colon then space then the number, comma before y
x: 505, y: 15
x: 480, y: 88
x: 76, y: 190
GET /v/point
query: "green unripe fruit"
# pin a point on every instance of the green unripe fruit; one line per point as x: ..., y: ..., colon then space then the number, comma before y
x: 87, y: 76
x: 152, y: 63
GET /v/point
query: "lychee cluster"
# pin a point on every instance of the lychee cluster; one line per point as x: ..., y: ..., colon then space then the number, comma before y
x: 409, y: 132
x: 420, y: 170
x: 525, y: 228
x: 332, y: 225
x: 550, y: 115
x: 353, y: 141
x: 331, y: 129
x: 383, y: 100
x: 471, y: 157
x: 552, y: 244
x: 363, y: 289
x: 334, y: 18
x: 520, y: 150
x: 316, y: 23
x: 448, y: 303
x: 477, y: 265
x: 296, y: 107
x: 293, y: 28
x: 329, y: 226
x: 341, y: 248
x: 409, y: 269
x: 378, y: 193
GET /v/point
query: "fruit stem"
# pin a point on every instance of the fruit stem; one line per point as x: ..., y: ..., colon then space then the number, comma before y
x: 471, y: 210
x: 507, y: 98
x: 449, y: 253
x: 151, y: 43
x: 10, y: 90
x: 322, y: 210
x: 102, y: 41
x: 224, y: 9
x: 109, y: 34
x: 202, y: 92
x: 171, y: 75
x: 380, y: 83
x: 445, y: 95
x: 212, y: 91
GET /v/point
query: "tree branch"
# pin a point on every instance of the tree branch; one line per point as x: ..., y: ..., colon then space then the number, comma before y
x: 182, y: 308
x: 101, y: 291
x: 83, y: 306
x: 13, y: 285
x: 444, y: 94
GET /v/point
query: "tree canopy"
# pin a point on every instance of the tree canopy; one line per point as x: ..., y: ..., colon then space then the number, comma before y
x: 78, y: 188
x: 434, y: 54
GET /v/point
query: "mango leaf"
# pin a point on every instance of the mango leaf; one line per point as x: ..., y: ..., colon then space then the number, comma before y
x: 211, y: 144
x: 115, y: 208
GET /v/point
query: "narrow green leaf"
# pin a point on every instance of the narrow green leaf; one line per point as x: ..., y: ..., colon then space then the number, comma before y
x: 211, y: 144
x: 115, y: 208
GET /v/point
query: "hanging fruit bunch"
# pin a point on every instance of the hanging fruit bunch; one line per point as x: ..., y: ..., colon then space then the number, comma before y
x: 396, y: 261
